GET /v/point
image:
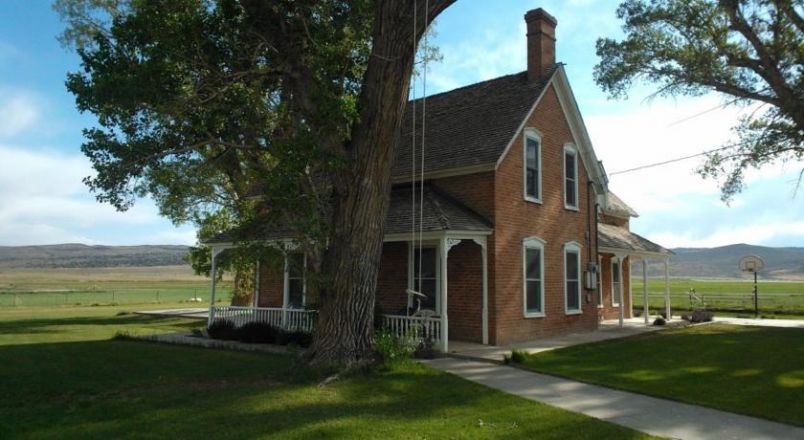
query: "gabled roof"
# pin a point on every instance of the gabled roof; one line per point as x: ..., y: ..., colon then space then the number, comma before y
x: 618, y: 238
x: 439, y: 211
x: 468, y: 126
x: 616, y: 207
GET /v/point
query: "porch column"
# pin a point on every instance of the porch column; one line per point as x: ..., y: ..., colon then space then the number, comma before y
x: 444, y: 320
x: 630, y: 290
x: 484, y: 261
x: 667, y: 287
x: 213, y: 283
x: 646, y: 309
x: 621, y: 258
x: 257, y: 285
x: 285, y: 292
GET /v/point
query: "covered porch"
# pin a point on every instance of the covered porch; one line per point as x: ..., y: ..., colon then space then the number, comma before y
x: 621, y: 247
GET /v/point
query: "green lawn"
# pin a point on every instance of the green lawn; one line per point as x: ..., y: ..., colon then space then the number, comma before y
x: 749, y: 370
x: 64, y: 378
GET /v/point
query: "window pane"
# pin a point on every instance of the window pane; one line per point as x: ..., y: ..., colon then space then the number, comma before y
x: 427, y: 287
x: 572, y: 295
x: 569, y: 192
x: 615, y: 287
x: 531, y: 182
x: 428, y: 263
x: 532, y: 167
x: 533, y: 261
x: 295, y: 293
x: 572, y: 265
x: 295, y: 265
x: 615, y: 272
x: 569, y: 165
x: 534, y: 296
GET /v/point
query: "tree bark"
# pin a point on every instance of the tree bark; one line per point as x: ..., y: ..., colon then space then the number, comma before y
x: 350, y: 264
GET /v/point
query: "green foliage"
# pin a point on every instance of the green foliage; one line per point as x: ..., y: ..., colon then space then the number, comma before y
x: 392, y: 348
x: 750, y: 50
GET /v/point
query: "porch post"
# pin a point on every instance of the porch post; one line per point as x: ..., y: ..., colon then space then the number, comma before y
x: 213, y: 282
x: 621, y: 259
x: 667, y: 288
x: 646, y: 309
x: 482, y: 242
x: 257, y: 285
x: 285, y: 292
x: 444, y: 320
x: 630, y: 290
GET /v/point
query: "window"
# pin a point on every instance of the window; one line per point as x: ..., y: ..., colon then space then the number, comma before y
x: 426, y: 282
x: 570, y: 177
x: 295, y: 287
x: 533, y: 276
x: 615, y: 282
x: 533, y: 166
x: 572, y: 278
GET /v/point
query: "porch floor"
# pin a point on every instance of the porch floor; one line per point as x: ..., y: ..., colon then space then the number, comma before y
x: 607, y: 330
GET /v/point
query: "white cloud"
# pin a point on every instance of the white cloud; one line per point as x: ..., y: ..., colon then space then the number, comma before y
x: 751, y: 233
x: 19, y: 112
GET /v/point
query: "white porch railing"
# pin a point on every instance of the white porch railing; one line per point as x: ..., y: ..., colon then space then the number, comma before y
x: 414, y: 326
x: 288, y: 319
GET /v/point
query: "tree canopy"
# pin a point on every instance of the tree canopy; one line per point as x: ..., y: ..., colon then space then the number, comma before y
x: 243, y: 112
x: 752, y: 51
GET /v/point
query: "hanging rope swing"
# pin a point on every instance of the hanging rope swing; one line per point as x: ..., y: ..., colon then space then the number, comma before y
x: 414, y: 294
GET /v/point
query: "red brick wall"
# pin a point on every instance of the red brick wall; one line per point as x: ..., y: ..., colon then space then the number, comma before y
x: 393, y: 278
x: 608, y: 311
x: 465, y: 292
x: 516, y: 219
x: 272, y: 281
x: 476, y: 191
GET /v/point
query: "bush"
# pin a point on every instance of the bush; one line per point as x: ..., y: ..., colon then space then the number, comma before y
x: 518, y: 356
x: 699, y: 316
x: 425, y: 349
x: 258, y: 333
x: 301, y: 338
x: 222, y: 329
x: 659, y: 321
x: 391, y: 348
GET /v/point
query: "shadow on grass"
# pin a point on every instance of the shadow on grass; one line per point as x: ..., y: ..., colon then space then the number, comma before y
x: 50, y: 325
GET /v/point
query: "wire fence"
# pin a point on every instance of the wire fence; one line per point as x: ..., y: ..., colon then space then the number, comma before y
x: 779, y: 303
x: 90, y: 297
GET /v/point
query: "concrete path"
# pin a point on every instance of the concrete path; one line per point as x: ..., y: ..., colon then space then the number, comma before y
x: 647, y: 414
x: 785, y: 323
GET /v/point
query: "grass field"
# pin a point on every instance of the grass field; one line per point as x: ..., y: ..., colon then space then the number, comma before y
x: 750, y: 370
x: 65, y: 378
x: 775, y: 297
x: 105, y: 286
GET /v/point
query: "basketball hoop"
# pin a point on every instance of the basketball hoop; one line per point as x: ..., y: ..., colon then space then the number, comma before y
x: 751, y: 263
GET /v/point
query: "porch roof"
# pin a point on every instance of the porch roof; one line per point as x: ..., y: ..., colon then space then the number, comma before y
x: 618, y: 238
x: 439, y: 211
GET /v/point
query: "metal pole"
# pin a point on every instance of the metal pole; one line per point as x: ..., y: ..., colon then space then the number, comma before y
x: 756, y: 296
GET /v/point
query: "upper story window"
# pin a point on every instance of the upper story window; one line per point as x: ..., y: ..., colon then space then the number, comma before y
x: 572, y: 278
x: 533, y: 276
x: 295, y: 287
x: 570, y: 177
x: 533, y: 166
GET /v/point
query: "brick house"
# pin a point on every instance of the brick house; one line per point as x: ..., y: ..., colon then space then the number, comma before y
x: 510, y: 235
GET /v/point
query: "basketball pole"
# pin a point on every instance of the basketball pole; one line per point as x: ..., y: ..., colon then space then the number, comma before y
x: 756, y: 296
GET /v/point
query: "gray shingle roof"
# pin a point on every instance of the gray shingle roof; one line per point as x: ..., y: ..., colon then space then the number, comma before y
x: 440, y: 213
x: 468, y: 126
x: 617, y: 237
x: 616, y: 206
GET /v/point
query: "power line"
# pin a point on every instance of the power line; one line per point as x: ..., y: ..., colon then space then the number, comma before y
x: 666, y: 162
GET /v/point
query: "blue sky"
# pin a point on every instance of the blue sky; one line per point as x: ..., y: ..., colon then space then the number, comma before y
x: 42, y: 199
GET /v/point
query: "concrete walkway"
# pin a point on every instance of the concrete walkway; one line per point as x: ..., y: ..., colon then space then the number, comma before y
x: 785, y: 323
x: 647, y: 414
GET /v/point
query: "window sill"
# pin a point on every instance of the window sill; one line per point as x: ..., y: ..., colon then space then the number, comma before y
x: 533, y: 200
x: 573, y: 312
x: 616, y: 306
x: 600, y: 306
x: 572, y: 208
x: 534, y: 315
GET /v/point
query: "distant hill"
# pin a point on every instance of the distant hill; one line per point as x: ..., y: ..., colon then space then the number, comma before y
x: 81, y: 255
x: 721, y: 262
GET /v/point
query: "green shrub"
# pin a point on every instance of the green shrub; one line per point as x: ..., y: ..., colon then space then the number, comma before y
x: 392, y: 348
x: 659, y: 321
x: 425, y: 349
x: 222, y: 329
x: 518, y: 356
x: 258, y: 333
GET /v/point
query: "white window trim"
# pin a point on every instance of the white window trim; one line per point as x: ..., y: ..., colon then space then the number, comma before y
x: 532, y: 243
x: 570, y: 148
x: 531, y: 133
x: 614, y: 260
x: 572, y: 246
x: 286, y: 287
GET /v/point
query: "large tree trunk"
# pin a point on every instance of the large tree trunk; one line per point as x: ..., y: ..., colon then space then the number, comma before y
x: 360, y: 201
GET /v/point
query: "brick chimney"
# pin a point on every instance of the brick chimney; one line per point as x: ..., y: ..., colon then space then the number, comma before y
x: 541, y: 42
